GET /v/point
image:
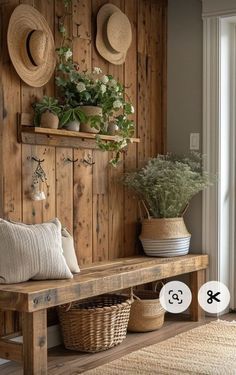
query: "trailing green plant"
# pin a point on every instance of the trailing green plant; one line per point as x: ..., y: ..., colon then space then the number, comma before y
x: 80, y: 88
x: 168, y: 182
x: 84, y: 88
x: 47, y: 103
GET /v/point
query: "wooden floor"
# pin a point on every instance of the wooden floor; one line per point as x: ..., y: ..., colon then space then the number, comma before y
x: 64, y: 362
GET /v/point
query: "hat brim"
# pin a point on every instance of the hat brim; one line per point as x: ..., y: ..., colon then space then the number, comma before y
x: 102, y: 43
x: 24, y: 19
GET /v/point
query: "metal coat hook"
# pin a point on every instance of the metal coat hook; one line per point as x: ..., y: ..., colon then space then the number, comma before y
x: 70, y: 160
x: 35, y: 159
x: 88, y: 160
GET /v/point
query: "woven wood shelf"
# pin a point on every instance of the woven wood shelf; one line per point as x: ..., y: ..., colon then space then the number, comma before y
x: 57, y: 137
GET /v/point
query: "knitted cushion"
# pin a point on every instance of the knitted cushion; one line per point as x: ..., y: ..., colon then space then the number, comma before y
x: 69, y: 251
x: 31, y: 252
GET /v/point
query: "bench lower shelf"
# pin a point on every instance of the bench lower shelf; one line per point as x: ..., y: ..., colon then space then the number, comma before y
x: 33, y: 298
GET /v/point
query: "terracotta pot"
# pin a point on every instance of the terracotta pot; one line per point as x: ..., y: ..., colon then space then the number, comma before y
x: 165, y: 237
x: 49, y: 120
x: 89, y: 111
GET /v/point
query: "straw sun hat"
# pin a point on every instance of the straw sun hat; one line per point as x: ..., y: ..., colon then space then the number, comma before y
x: 114, y: 34
x: 31, y: 45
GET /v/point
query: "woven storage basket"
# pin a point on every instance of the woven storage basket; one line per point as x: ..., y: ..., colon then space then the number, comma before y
x: 96, y: 324
x: 146, y: 312
x: 164, y: 237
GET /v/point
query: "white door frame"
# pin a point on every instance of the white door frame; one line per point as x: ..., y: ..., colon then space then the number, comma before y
x: 218, y: 224
x: 211, y: 141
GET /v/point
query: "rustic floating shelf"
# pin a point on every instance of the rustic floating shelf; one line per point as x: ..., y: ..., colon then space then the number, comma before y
x: 57, y: 137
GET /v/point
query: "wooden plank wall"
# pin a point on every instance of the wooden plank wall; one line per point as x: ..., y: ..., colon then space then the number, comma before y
x: 89, y: 201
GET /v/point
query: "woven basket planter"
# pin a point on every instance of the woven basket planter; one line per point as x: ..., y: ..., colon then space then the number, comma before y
x: 49, y: 120
x: 165, y: 237
x: 96, y: 324
x: 89, y: 110
x: 146, y: 312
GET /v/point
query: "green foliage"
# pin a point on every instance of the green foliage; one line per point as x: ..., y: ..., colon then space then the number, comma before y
x: 95, y: 89
x: 168, y: 182
x: 80, y: 88
x: 46, y: 104
x: 72, y: 114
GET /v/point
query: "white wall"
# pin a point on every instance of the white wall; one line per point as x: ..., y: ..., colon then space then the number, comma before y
x: 218, y: 7
x: 184, y: 90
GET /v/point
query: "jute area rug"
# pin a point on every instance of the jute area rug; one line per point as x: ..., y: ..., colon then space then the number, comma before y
x: 208, y: 349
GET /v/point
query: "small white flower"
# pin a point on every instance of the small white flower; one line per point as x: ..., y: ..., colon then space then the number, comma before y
x: 104, y: 79
x: 123, y: 144
x: 132, y: 109
x: 113, y: 83
x: 68, y: 54
x: 97, y: 70
x: 117, y: 104
x: 81, y: 86
x: 103, y: 89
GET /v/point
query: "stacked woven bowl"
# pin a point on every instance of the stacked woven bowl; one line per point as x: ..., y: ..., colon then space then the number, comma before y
x: 165, y: 237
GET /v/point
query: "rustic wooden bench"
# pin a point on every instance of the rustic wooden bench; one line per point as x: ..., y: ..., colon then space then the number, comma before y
x: 33, y: 298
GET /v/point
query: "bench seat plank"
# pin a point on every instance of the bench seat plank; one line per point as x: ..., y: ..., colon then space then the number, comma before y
x: 96, y: 279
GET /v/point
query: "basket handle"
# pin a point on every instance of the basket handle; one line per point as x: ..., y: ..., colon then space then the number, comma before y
x: 66, y: 307
x: 185, y: 209
x: 133, y: 296
x: 145, y: 208
x: 156, y: 284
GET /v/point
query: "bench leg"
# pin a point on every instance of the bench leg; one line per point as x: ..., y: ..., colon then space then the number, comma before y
x: 34, y: 328
x: 197, y: 279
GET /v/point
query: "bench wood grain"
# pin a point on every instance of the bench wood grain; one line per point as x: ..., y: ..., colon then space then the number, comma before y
x: 33, y: 298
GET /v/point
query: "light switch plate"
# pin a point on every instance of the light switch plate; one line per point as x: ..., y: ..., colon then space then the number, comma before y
x: 194, y: 141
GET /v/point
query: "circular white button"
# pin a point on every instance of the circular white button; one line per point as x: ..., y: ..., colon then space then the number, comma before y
x: 175, y: 297
x: 213, y: 297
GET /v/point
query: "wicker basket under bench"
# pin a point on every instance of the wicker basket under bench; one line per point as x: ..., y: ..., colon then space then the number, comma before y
x: 33, y: 298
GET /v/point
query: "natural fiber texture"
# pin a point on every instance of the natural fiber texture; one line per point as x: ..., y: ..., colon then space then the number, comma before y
x: 114, y: 34
x: 29, y: 38
x: 89, y: 110
x: 146, y: 312
x: 208, y: 350
x: 31, y: 252
x: 157, y: 229
x: 69, y: 251
x: 96, y: 324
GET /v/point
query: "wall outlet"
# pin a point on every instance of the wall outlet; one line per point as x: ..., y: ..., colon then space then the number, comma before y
x: 194, y: 141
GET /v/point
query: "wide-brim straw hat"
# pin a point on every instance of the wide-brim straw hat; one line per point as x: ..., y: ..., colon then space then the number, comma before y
x: 31, y: 45
x: 114, y: 34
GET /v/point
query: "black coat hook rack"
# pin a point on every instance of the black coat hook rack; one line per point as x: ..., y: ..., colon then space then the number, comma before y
x: 70, y: 160
x: 36, y: 159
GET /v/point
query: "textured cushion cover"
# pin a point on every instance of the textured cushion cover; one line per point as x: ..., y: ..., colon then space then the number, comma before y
x: 31, y: 252
x: 69, y: 251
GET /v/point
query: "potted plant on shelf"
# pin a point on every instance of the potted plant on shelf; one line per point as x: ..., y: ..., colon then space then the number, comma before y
x: 102, y: 101
x: 71, y: 118
x: 47, y: 112
x: 165, y: 185
x: 100, y: 97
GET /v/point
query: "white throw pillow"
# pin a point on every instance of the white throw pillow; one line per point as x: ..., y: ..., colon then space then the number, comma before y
x: 31, y: 252
x: 69, y: 251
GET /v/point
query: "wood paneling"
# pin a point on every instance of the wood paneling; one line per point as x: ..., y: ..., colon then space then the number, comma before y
x: 90, y: 201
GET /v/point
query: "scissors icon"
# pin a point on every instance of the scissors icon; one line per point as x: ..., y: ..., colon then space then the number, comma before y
x: 212, y: 297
